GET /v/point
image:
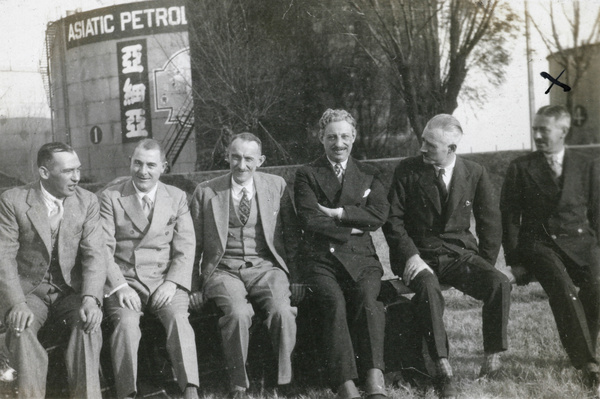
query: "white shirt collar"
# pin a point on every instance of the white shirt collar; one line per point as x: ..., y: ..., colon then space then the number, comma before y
x: 151, y: 194
x: 49, y: 199
x: 560, y: 156
x: 236, y: 188
x: 448, y: 169
x: 344, y: 163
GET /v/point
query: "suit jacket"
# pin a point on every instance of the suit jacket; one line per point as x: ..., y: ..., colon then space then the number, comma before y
x: 534, y: 207
x: 418, y: 224
x: 145, y: 254
x: 363, y: 198
x: 210, y: 212
x: 26, y: 244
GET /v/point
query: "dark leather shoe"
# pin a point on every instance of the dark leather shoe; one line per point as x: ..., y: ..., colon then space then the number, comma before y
x: 445, y: 387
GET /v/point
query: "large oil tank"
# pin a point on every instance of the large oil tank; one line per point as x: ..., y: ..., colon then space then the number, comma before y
x: 117, y: 75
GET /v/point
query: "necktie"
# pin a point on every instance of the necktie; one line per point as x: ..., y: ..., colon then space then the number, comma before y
x: 441, y: 185
x: 244, y: 208
x: 56, y: 215
x: 147, y: 208
x: 339, y: 171
x: 555, y: 165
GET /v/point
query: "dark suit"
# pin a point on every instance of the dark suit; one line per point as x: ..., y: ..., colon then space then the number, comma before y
x: 420, y: 223
x: 26, y: 256
x: 551, y: 228
x: 343, y: 269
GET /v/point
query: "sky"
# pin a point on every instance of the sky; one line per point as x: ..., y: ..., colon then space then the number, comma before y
x: 501, y: 123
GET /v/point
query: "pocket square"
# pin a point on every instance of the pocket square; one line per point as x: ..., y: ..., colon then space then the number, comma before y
x: 367, y: 192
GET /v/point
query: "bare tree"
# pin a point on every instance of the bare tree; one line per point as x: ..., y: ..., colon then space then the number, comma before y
x: 432, y: 45
x: 571, y: 52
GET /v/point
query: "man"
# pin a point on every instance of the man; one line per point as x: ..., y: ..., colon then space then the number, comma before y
x: 432, y: 198
x: 339, y: 201
x: 550, y: 217
x: 246, y: 234
x: 52, y: 270
x: 150, y: 240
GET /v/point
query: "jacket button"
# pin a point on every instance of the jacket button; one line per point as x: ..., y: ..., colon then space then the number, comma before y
x: 131, y: 232
x: 166, y: 233
x: 553, y: 237
x: 332, y: 249
x: 580, y: 231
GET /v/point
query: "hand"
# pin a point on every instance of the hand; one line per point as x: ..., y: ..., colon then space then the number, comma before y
x: 129, y: 298
x: 90, y: 314
x: 298, y: 292
x: 196, y: 301
x: 163, y: 295
x: 330, y: 212
x: 414, y: 265
x: 19, y: 318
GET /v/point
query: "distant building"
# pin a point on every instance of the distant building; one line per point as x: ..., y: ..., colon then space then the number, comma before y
x: 119, y: 74
x: 584, y: 99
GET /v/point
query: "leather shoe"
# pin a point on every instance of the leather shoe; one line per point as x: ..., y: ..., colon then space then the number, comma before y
x: 445, y: 387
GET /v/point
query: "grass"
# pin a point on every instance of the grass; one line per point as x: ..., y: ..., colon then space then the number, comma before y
x: 535, y: 366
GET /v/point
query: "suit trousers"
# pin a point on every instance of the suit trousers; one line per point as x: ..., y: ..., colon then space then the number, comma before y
x: 348, y: 309
x: 82, y: 355
x: 473, y: 276
x: 234, y: 291
x: 126, y: 335
x: 577, y: 314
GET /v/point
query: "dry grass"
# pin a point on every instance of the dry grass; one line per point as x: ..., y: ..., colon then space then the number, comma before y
x: 536, y: 365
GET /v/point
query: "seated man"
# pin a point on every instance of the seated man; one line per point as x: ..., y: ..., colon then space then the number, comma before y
x: 150, y: 240
x: 339, y: 201
x: 551, y: 220
x: 247, y: 234
x: 52, y: 270
x: 428, y: 231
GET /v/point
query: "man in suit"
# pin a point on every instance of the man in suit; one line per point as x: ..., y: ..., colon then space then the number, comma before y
x: 52, y: 270
x: 339, y: 201
x: 150, y: 240
x: 550, y: 207
x: 432, y: 198
x: 247, y: 234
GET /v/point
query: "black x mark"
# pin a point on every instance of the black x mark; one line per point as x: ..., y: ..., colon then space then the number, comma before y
x: 546, y: 75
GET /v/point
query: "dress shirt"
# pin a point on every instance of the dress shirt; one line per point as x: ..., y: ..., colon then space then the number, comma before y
x: 151, y: 194
x: 236, y: 191
x: 559, y: 156
x: 339, y: 211
x: 448, y: 171
x: 50, y: 200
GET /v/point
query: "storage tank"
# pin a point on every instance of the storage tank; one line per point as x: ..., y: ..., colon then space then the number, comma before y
x: 117, y: 75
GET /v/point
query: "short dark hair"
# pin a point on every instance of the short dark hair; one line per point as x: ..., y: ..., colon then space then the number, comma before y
x: 46, y: 152
x: 559, y: 112
x: 246, y: 136
x: 151, y: 144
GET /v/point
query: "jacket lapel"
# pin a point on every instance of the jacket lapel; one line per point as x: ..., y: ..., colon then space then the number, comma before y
x: 160, y: 216
x: 327, y: 179
x: 38, y: 215
x: 458, y: 186
x: 571, y: 175
x: 131, y: 206
x: 72, y: 218
x: 541, y: 174
x: 264, y: 197
x: 426, y: 177
x: 354, y: 179
x: 220, y: 206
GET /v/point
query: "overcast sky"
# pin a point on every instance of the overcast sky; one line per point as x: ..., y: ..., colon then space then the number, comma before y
x: 501, y: 123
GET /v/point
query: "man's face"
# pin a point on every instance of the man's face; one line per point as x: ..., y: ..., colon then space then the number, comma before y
x: 435, y: 149
x: 548, y: 133
x: 61, y: 175
x: 337, y: 138
x: 244, y: 157
x: 146, y: 168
